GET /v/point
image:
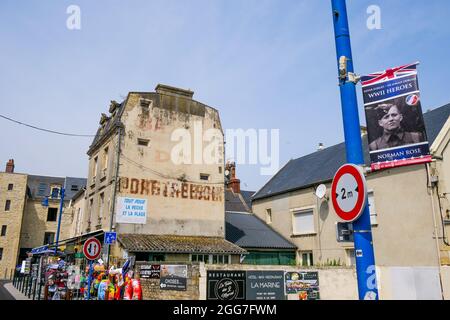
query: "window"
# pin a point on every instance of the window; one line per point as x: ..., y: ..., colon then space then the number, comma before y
x: 268, y: 215
x: 143, y: 142
x: 351, y: 257
x: 52, y: 214
x: 10, y: 186
x: 105, y: 159
x: 145, y: 104
x: 41, y: 189
x: 307, y: 259
x: 204, y: 176
x: 3, y: 231
x: 1, y: 253
x: 49, y: 237
x: 373, y: 213
x: 7, y: 205
x: 211, y: 258
x: 344, y: 232
x: 220, y: 169
x: 74, y: 187
x: 94, y: 169
x: 303, y: 222
x: 102, y: 202
x: 55, y: 193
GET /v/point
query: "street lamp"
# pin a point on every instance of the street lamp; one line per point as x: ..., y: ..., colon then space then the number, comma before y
x: 61, y: 203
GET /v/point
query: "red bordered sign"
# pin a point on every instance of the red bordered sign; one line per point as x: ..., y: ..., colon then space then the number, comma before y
x: 92, y: 248
x: 349, y: 192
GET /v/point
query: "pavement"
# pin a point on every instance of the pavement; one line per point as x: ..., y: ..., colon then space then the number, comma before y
x: 8, y: 292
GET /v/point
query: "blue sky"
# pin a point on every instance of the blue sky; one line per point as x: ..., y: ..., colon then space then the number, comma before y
x: 262, y: 64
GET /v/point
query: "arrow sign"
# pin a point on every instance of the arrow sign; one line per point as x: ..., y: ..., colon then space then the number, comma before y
x: 350, y: 190
x: 92, y: 248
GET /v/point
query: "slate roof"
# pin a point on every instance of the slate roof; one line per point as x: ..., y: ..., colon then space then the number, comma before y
x: 39, y: 186
x: 247, y: 195
x: 320, y: 166
x: 177, y: 244
x: 235, y: 202
x: 248, y: 231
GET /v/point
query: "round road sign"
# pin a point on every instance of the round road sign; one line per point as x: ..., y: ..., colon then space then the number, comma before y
x: 92, y: 248
x: 349, y: 192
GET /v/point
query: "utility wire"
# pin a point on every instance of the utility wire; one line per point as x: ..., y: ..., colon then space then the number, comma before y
x: 47, y: 130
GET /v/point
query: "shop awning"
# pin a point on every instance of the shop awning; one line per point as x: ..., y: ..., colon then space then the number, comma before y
x: 79, y: 239
x: 177, y: 244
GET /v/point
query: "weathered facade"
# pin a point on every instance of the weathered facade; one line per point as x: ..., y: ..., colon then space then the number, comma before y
x: 410, y: 223
x: 166, y: 151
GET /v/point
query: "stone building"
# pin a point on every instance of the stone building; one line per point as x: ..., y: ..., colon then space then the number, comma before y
x: 13, y: 188
x: 409, y: 210
x: 29, y: 213
x: 156, y: 169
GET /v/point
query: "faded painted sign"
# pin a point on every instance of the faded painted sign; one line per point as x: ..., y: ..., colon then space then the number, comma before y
x: 131, y: 210
x: 180, y: 190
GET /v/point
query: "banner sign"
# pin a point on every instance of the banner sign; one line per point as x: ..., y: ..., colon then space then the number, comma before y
x: 265, y: 285
x: 150, y: 271
x: 131, y: 210
x: 303, y: 283
x: 395, y: 126
x: 225, y: 285
x: 173, y: 277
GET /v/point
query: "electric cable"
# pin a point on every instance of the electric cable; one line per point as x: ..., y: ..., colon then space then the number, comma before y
x: 47, y: 130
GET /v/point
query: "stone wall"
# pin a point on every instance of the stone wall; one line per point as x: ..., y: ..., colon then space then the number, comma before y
x: 151, y: 287
x: 338, y: 283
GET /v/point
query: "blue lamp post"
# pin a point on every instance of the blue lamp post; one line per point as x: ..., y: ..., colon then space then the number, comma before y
x: 365, y: 257
x: 61, y: 204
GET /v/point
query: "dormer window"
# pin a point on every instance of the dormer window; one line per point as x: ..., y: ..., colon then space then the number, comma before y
x: 55, y: 192
x: 145, y: 104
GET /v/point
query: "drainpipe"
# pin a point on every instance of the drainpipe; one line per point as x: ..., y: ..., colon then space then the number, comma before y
x: 119, y: 139
x: 436, y: 237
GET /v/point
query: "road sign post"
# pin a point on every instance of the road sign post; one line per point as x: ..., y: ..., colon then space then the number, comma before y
x: 91, y: 250
x: 365, y: 258
x: 349, y: 192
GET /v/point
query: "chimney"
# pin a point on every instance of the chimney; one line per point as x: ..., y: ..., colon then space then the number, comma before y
x: 233, y: 182
x: 10, y: 166
x: 321, y: 147
x: 173, y: 91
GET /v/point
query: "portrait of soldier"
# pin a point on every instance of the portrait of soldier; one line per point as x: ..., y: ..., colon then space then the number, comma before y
x: 390, y: 120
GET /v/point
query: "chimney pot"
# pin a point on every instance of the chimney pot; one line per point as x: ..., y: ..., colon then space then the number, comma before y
x: 10, y: 166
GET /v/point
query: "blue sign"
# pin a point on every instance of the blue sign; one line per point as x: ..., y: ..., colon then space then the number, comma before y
x: 110, y: 237
x: 39, y: 249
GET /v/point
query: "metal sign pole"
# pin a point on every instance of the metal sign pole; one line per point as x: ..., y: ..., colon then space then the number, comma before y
x: 364, y: 254
x: 89, y: 280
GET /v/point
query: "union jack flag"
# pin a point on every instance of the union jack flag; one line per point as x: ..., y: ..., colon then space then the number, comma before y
x: 372, y: 78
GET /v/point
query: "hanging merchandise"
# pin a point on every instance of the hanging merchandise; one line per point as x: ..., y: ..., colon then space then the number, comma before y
x: 137, y: 289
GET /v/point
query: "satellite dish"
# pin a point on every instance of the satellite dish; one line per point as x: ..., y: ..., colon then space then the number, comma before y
x: 321, y: 190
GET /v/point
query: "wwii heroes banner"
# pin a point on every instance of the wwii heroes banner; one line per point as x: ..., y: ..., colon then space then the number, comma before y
x: 395, y: 126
